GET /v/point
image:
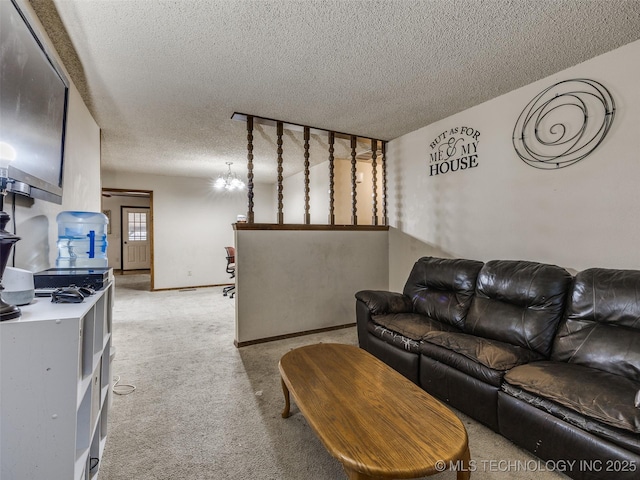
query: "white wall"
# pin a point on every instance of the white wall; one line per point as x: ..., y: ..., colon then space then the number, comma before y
x: 36, y: 219
x: 291, y: 281
x: 581, y: 216
x: 192, y: 224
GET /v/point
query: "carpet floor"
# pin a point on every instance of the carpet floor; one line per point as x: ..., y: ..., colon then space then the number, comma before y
x: 203, y: 409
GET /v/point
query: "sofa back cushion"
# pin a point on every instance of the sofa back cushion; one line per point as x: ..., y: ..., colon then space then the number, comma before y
x: 442, y: 288
x: 519, y: 302
x: 602, y: 325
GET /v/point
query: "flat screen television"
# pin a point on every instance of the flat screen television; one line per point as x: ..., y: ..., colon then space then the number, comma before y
x: 33, y: 107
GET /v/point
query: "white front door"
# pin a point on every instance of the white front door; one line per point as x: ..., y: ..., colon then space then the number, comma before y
x: 136, y: 253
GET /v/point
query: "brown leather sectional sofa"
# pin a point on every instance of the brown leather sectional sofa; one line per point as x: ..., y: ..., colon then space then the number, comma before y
x: 548, y: 360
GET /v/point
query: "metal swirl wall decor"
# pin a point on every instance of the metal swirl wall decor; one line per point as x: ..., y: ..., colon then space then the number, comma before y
x: 564, y: 123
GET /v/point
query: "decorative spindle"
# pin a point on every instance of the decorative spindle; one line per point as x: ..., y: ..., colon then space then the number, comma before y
x: 378, y: 217
x: 385, y: 220
x: 354, y: 216
x: 374, y: 165
x: 250, y: 215
x: 307, y: 216
x: 280, y: 214
x: 332, y: 216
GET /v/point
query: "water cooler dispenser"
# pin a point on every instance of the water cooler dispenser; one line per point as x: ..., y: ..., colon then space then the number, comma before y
x: 82, y: 240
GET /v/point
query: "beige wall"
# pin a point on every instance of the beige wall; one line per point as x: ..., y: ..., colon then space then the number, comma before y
x: 294, y: 281
x: 293, y: 188
x: 404, y: 250
x: 293, y: 192
x: 581, y: 216
x: 364, y: 192
x: 192, y: 224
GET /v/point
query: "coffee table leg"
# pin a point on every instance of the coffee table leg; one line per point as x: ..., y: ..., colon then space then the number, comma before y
x: 287, y: 404
x: 465, y: 474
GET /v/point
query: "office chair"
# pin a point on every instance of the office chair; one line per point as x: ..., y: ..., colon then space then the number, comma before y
x: 231, y: 270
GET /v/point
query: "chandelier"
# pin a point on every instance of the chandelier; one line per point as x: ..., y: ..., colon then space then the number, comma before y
x: 228, y: 181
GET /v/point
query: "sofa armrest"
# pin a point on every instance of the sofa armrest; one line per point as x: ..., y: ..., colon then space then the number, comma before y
x: 380, y: 302
x: 377, y: 302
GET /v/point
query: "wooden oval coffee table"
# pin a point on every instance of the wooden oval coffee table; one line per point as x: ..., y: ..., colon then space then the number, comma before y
x: 373, y: 420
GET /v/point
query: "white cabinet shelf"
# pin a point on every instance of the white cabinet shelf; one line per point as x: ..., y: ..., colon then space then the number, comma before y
x: 54, y: 389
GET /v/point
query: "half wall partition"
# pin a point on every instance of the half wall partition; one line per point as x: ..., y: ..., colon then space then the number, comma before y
x: 300, y: 273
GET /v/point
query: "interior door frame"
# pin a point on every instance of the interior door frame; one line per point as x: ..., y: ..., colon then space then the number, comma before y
x: 149, y: 225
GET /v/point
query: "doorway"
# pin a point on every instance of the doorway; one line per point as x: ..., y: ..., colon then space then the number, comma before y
x: 130, y: 231
x: 136, y: 250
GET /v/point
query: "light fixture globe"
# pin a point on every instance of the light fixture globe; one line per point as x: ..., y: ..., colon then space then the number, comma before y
x: 219, y: 184
x: 228, y: 181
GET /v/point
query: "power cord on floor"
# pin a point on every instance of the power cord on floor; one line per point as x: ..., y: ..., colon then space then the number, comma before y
x: 123, y: 389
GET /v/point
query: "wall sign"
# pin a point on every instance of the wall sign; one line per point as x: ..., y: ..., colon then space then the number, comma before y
x: 454, y: 150
x: 563, y: 124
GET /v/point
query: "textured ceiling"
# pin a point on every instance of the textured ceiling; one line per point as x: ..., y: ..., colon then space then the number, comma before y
x: 162, y: 78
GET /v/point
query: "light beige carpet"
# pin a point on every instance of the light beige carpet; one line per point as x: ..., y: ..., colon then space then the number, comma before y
x: 203, y: 409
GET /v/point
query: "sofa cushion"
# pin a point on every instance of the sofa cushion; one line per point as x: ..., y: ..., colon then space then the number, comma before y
x: 479, y: 357
x: 622, y: 438
x: 602, y: 325
x: 411, y: 325
x: 393, y: 338
x: 600, y: 395
x: 442, y: 288
x: 461, y: 364
x: 519, y: 302
x: 490, y: 353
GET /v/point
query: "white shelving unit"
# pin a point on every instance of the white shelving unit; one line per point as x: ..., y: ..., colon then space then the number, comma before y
x: 54, y: 389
